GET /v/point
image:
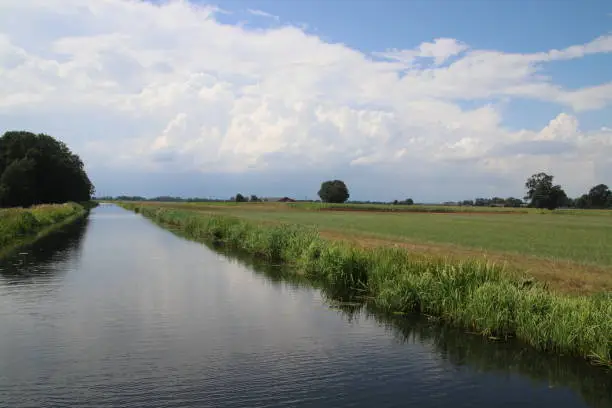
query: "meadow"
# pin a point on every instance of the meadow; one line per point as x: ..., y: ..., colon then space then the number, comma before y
x: 569, y: 249
x: 21, y: 225
x: 478, y: 295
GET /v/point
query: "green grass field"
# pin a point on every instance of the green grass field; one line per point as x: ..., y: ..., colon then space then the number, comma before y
x: 477, y: 295
x: 570, y: 249
x: 559, y: 236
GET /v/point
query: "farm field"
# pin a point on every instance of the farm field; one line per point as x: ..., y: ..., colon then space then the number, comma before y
x: 570, y: 251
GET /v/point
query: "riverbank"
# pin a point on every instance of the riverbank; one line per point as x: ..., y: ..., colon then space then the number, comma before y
x: 570, y: 253
x: 22, y: 226
x: 472, y: 294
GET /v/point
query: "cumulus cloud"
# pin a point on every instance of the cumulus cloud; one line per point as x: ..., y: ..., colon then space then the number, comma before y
x: 167, y: 87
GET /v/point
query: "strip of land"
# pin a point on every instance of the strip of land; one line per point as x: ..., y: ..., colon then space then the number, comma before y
x: 23, y: 226
x: 571, y: 252
x: 477, y: 295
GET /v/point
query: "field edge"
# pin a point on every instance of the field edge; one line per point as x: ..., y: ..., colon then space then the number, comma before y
x: 473, y: 294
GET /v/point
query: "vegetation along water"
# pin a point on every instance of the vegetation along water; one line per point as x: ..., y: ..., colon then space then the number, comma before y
x: 135, y: 305
x: 473, y: 294
x: 43, y: 185
x: 114, y: 311
x: 20, y: 226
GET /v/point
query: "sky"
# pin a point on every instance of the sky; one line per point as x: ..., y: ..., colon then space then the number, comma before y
x: 433, y: 100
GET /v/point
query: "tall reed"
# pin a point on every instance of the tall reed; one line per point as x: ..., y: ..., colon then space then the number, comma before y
x: 472, y: 294
x: 17, y: 224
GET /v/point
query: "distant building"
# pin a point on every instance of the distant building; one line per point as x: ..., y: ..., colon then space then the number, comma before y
x: 279, y: 199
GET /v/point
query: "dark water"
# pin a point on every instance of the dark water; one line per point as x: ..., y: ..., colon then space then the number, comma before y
x: 117, y: 312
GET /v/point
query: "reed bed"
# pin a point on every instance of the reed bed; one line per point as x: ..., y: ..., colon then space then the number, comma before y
x: 18, y: 224
x: 472, y: 294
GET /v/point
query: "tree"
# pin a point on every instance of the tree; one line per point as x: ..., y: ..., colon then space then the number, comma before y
x: 497, y: 200
x: 334, y: 191
x: 240, y: 198
x: 543, y: 194
x: 513, y: 202
x: 18, y: 183
x: 583, y: 202
x: 539, y: 180
x: 409, y: 201
x: 254, y: 198
x: 599, y: 196
x: 36, y: 168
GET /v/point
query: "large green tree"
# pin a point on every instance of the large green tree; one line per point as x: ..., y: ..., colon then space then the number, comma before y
x: 334, y: 191
x: 36, y: 169
x: 541, y: 192
x: 599, y: 196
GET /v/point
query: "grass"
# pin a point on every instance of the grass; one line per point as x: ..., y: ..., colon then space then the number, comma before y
x: 473, y: 294
x: 417, y: 208
x: 400, y: 208
x: 19, y: 226
x: 578, y: 239
x: 570, y: 252
x: 571, y: 237
x: 450, y: 342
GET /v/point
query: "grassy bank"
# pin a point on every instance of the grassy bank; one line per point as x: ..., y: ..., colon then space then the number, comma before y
x: 571, y: 253
x: 470, y: 294
x: 385, y: 208
x: 579, y: 239
x: 569, y: 237
x: 20, y: 226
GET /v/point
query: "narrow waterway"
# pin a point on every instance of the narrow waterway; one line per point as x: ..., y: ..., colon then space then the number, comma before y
x: 115, y: 311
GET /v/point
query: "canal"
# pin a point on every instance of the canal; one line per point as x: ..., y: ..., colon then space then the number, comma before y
x: 114, y: 311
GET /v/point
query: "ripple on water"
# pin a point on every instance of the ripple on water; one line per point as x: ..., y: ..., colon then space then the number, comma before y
x: 120, y: 313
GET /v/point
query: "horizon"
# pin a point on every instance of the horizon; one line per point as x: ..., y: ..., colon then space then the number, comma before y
x: 434, y: 100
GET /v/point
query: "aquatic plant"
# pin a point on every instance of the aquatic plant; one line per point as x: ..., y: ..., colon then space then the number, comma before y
x: 473, y: 294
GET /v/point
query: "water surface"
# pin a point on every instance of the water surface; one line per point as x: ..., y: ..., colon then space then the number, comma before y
x: 115, y: 311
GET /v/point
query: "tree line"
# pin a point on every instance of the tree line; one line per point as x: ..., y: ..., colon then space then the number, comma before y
x: 38, y: 169
x: 541, y: 193
x: 169, y: 199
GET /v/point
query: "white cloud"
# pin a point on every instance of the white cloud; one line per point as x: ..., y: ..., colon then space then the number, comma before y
x: 261, y: 13
x: 598, y: 45
x: 185, y: 92
x: 441, y: 49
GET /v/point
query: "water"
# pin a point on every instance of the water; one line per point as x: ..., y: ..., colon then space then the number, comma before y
x: 117, y: 312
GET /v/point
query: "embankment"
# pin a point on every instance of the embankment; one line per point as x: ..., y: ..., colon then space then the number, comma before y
x: 22, y: 226
x: 475, y: 295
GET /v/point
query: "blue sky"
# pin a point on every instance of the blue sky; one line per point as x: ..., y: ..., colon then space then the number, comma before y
x: 519, y: 26
x: 515, y: 26
x: 435, y: 100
